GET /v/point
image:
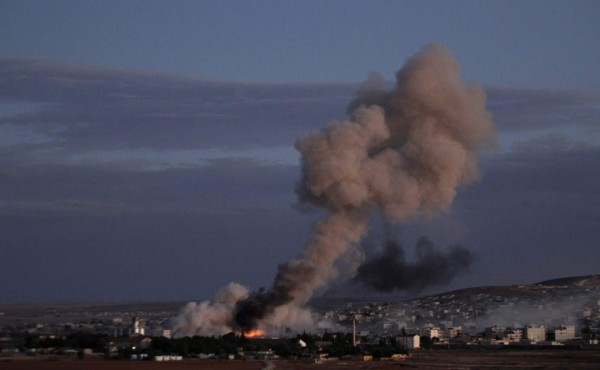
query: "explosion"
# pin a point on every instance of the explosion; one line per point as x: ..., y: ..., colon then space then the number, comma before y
x: 404, y: 154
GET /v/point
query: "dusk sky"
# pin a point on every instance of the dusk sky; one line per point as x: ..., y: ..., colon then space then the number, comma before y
x: 147, y: 147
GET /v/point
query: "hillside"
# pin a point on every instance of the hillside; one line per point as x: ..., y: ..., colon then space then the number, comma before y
x: 588, y: 281
x: 555, y: 287
x: 564, y: 301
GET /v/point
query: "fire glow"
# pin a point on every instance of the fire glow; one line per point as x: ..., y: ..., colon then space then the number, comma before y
x: 252, y: 333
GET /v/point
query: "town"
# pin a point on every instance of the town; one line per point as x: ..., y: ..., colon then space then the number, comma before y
x: 547, y: 315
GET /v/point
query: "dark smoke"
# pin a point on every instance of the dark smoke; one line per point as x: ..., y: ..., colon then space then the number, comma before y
x: 263, y: 303
x: 391, y: 270
x: 258, y: 305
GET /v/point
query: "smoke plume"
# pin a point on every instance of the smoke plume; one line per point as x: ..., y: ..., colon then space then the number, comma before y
x: 210, y: 317
x: 391, y: 270
x: 404, y: 154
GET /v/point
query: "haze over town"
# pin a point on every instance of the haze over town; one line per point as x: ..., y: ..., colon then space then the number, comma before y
x: 147, y: 150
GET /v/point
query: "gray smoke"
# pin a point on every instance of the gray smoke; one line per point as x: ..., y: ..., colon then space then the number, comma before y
x: 404, y: 154
x: 209, y: 317
x: 391, y: 270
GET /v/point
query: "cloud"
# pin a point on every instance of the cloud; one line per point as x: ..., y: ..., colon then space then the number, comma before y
x: 520, y: 109
x: 72, y: 111
x: 86, y: 108
x: 221, y: 186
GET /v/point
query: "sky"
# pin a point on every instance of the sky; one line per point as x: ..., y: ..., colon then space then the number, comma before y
x: 147, y: 147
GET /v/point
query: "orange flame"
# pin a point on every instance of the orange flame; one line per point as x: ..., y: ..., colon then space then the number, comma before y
x: 254, y: 333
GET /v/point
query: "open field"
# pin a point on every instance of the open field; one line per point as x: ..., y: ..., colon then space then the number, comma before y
x: 430, y: 360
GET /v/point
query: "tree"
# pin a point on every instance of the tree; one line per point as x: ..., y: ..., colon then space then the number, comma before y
x: 426, y: 342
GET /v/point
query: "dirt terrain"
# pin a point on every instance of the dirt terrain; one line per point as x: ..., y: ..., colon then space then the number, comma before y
x: 505, y: 359
x: 58, y: 363
x: 430, y: 360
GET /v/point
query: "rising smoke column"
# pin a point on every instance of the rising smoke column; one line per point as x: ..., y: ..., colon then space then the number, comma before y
x: 391, y: 270
x: 405, y: 157
x: 298, y: 278
x: 403, y: 154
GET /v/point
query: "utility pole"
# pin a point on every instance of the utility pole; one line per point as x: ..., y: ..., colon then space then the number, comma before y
x: 353, y: 332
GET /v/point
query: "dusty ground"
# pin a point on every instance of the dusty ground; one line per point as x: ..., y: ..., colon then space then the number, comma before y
x: 434, y: 360
x: 505, y: 359
x: 60, y: 363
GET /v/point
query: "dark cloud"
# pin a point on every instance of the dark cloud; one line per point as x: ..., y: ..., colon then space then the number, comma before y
x: 225, y: 185
x: 91, y: 108
x: 83, y: 108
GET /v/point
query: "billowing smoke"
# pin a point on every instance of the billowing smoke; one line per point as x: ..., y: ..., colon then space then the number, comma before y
x: 216, y: 317
x: 391, y: 270
x: 404, y: 153
x: 210, y: 317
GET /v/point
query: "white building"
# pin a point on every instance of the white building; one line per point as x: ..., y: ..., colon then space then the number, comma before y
x: 136, y: 326
x: 435, y: 333
x: 535, y: 333
x: 563, y: 333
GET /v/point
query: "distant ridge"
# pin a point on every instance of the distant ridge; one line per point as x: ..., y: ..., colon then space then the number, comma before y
x: 559, y: 285
x: 554, y: 288
x: 587, y: 281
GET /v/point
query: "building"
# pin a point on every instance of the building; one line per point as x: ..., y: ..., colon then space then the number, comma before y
x: 409, y: 341
x: 514, y: 335
x: 495, y: 332
x: 160, y: 332
x: 454, y: 332
x: 535, y: 333
x: 563, y: 333
x: 136, y: 327
x: 434, y: 332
